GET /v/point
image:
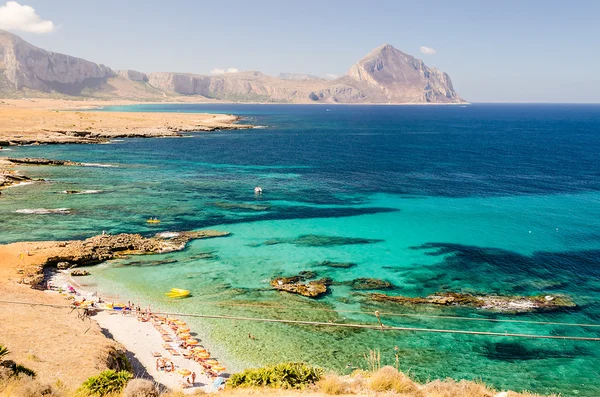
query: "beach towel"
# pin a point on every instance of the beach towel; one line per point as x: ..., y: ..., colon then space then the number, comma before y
x: 218, y: 382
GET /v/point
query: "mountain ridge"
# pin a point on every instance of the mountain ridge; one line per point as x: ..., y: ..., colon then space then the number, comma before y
x: 385, y: 75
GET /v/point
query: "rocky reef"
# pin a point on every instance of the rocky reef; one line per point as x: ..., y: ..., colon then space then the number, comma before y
x: 299, y: 285
x: 69, y: 254
x: 514, y: 304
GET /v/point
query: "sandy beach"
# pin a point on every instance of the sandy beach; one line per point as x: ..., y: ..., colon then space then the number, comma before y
x: 63, y: 330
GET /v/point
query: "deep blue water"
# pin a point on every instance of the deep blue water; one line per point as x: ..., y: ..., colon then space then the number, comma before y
x: 492, y: 199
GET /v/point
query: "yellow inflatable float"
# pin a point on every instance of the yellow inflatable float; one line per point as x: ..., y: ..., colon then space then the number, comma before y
x: 177, y: 293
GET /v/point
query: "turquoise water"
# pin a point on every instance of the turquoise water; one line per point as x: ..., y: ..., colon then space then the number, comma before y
x: 485, y: 199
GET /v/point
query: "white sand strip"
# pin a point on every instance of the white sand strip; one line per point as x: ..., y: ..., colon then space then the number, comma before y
x: 141, y: 339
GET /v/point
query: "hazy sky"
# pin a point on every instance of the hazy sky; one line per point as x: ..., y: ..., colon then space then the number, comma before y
x: 541, y: 51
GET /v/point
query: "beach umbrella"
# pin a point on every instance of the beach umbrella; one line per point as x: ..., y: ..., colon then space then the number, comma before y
x: 184, y: 336
x: 192, y: 342
x: 212, y: 362
x: 184, y: 329
x: 199, y: 349
x: 180, y: 323
x: 184, y: 372
x: 203, y: 355
x: 218, y: 368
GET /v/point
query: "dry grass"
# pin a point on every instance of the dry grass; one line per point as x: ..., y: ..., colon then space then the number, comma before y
x: 389, y: 379
x: 25, y: 386
x: 333, y: 384
x: 451, y: 388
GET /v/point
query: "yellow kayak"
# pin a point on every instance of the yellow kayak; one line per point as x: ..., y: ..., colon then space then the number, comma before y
x: 153, y: 221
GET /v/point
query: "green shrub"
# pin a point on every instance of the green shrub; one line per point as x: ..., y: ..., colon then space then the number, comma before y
x: 284, y: 375
x: 21, y: 369
x: 106, y: 382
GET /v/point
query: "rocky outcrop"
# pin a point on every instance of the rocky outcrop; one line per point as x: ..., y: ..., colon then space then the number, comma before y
x: 69, y: 254
x: 514, y: 304
x: 41, y: 161
x: 27, y: 66
x: 298, y: 285
x: 133, y: 75
x: 9, y: 179
x: 104, y: 247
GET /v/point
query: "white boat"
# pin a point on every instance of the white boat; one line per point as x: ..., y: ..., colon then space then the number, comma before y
x: 258, y: 190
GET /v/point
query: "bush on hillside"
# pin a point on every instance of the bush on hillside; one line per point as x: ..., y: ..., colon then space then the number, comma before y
x: 140, y: 388
x: 106, y: 382
x: 14, y: 368
x: 284, y: 375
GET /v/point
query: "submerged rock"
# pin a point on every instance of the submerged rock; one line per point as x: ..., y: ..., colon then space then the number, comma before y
x: 315, y: 240
x: 339, y: 265
x: 295, y: 285
x: 369, y: 283
x: 514, y: 304
x: 242, y: 206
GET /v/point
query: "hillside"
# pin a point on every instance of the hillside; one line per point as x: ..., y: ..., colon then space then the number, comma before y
x: 385, y: 75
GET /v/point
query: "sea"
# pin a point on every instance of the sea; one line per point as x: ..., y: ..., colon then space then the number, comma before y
x: 493, y: 199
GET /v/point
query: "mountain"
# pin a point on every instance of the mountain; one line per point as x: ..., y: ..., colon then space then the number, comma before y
x: 24, y: 66
x: 385, y: 75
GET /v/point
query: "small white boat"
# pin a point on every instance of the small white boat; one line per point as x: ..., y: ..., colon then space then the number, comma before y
x: 258, y: 190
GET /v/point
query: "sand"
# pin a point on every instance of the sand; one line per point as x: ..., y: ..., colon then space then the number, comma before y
x: 141, y: 339
x: 45, y: 338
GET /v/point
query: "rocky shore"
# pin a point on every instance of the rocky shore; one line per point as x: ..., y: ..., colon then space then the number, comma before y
x: 513, y: 304
x: 40, y: 161
x: 68, y: 254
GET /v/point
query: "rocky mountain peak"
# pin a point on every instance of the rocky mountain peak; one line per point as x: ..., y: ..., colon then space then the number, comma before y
x: 401, y: 75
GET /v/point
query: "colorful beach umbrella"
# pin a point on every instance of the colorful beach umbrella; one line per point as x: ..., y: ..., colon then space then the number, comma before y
x: 192, y: 342
x: 212, y: 362
x: 203, y: 355
x: 218, y: 368
x: 184, y: 336
x: 184, y: 372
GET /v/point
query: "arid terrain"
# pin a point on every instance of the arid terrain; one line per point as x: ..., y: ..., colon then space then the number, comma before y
x: 58, y: 121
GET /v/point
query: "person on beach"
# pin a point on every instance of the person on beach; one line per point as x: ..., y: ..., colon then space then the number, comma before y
x: 193, y: 377
x: 157, y: 363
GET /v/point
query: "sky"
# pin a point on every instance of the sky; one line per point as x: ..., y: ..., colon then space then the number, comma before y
x: 494, y: 51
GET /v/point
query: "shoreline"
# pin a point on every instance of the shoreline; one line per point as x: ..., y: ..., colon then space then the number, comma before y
x: 27, y: 265
x: 44, y: 121
x: 141, y: 339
